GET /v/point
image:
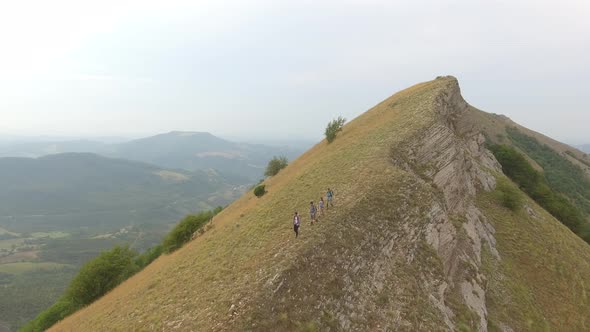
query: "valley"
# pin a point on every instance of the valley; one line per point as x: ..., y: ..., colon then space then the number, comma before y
x: 60, y: 210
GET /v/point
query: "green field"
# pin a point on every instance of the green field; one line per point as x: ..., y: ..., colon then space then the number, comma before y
x: 8, y: 244
x: 52, y: 235
x: 22, y: 267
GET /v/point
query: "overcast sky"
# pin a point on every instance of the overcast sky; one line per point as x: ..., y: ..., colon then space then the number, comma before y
x: 283, y: 69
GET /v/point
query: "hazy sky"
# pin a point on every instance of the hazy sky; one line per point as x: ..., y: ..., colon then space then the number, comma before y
x: 280, y: 68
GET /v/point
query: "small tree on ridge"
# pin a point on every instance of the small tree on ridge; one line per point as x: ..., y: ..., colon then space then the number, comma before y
x: 333, y: 128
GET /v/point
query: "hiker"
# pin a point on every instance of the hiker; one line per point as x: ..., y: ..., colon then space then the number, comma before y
x: 296, y: 223
x: 321, y: 206
x: 312, y: 212
x: 329, y: 196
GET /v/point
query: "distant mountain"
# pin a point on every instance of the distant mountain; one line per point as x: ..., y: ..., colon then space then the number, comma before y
x: 584, y: 147
x: 196, y: 150
x: 243, y: 162
x: 81, y: 189
x: 34, y: 149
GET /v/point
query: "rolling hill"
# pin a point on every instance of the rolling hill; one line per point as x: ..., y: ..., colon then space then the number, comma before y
x: 420, y: 239
x: 87, y: 190
x: 58, y: 211
x: 199, y: 151
x: 193, y: 151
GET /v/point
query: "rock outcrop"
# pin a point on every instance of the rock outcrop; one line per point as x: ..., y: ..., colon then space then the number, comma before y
x: 457, y: 163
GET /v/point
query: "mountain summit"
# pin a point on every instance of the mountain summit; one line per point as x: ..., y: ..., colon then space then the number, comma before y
x: 418, y: 240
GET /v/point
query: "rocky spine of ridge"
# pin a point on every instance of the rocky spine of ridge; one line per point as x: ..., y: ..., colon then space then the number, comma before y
x: 457, y: 163
x: 410, y: 256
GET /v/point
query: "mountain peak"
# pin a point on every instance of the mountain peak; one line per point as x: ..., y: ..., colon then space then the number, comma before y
x: 417, y: 239
x: 188, y: 133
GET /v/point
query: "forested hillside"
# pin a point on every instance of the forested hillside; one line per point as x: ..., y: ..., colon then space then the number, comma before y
x: 59, y: 211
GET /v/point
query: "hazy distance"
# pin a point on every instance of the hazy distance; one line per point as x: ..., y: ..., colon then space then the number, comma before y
x: 281, y: 70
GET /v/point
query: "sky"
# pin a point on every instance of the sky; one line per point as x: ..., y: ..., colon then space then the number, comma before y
x: 283, y: 69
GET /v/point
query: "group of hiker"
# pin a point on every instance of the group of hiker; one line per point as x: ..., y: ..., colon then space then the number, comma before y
x: 314, y: 211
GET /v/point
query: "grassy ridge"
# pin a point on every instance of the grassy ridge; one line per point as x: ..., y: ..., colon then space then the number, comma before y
x: 252, y: 240
x: 223, y: 279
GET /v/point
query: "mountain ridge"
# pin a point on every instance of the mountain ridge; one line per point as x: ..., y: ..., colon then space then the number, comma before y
x: 417, y: 240
x: 187, y: 150
x: 32, y: 186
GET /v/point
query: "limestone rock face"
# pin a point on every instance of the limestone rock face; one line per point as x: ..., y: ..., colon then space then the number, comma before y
x: 457, y: 164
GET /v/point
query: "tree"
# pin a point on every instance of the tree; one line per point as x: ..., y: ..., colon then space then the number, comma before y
x: 101, y: 274
x: 275, y: 165
x: 333, y: 128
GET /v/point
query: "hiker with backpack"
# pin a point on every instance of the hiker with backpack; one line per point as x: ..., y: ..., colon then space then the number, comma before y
x: 321, y: 206
x: 296, y: 223
x: 329, y: 196
x: 312, y: 212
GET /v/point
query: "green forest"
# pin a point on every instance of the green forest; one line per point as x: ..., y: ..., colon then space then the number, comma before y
x: 546, y: 193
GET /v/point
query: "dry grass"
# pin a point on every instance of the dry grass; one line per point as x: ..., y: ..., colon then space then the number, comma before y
x: 252, y: 240
x: 223, y: 279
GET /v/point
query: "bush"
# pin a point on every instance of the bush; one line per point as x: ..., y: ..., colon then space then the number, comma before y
x: 275, y: 165
x: 94, y: 279
x: 149, y: 256
x: 260, y: 190
x: 509, y: 195
x: 333, y: 128
x: 58, y: 311
x: 183, y: 232
x: 110, y: 268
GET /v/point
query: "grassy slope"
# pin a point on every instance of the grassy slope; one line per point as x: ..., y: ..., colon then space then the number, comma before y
x: 542, y: 282
x: 251, y: 244
x: 495, y: 128
x: 253, y: 235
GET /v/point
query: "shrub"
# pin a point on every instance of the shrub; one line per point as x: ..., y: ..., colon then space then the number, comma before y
x: 95, y: 278
x: 110, y: 268
x: 149, y: 256
x: 58, y: 311
x: 333, y: 128
x: 260, y: 190
x: 275, y: 165
x: 184, y: 230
